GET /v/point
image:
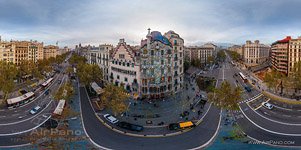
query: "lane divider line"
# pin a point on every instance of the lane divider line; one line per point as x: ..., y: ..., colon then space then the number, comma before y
x: 279, y: 133
x: 284, y: 123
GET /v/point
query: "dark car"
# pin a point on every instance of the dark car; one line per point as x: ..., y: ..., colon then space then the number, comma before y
x: 174, y: 126
x: 47, y: 92
x: 248, y: 89
x: 130, y: 126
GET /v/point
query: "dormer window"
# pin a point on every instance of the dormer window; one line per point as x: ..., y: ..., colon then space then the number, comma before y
x: 121, y: 56
x: 144, y: 51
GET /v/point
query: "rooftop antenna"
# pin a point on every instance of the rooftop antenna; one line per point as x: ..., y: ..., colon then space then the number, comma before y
x: 148, y: 30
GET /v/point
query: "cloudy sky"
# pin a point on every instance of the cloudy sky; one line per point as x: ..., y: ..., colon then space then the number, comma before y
x: 106, y: 21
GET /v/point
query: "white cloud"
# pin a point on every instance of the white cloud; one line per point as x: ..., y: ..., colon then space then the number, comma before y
x: 100, y: 21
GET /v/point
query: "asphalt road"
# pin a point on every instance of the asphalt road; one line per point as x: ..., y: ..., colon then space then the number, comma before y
x: 19, y: 120
x: 107, y: 138
x: 264, y: 129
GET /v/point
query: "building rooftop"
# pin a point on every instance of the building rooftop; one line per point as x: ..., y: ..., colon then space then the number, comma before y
x: 157, y: 36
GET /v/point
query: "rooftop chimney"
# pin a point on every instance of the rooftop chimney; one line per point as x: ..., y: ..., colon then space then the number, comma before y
x: 121, y: 40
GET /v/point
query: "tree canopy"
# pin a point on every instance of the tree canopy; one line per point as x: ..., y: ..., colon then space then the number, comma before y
x: 221, y: 56
x: 226, y: 97
x: 114, y: 98
x: 8, y: 73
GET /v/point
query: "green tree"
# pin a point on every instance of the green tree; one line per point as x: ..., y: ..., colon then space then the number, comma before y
x: 196, y: 62
x: 234, y: 55
x: 69, y: 70
x: 274, y: 79
x: 187, y: 64
x: 221, y: 56
x: 226, y: 97
x: 97, y: 74
x: 88, y: 73
x: 77, y: 59
x: 210, y: 60
x: 8, y: 73
x: 288, y: 83
x: 296, y: 75
x: 114, y: 98
x: 64, y: 92
x: 84, y: 72
x: 26, y: 67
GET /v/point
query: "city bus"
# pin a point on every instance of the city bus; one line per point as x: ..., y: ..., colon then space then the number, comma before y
x: 243, y: 77
x: 21, y: 100
x: 46, y: 83
x: 59, y: 108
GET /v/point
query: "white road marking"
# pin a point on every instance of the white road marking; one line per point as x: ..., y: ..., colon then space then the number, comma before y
x: 258, y: 107
x: 14, y: 115
x: 279, y: 133
x: 5, y: 124
x: 272, y: 112
x: 266, y: 113
x: 284, y: 108
x: 290, y: 124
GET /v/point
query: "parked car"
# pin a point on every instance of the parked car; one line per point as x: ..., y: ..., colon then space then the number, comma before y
x: 248, y: 89
x: 181, y: 125
x: 174, y: 126
x: 35, y: 110
x: 129, y: 126
x: 110, y: 118
x: 267, y: 105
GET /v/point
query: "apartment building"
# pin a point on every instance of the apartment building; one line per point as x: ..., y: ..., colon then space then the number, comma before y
x: 255, y: 53
x: 100, y: 56
x: 50, y: 51
x: 201, y: 53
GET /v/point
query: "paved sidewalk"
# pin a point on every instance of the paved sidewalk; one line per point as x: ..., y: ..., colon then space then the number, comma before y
x: 156, y: 115
x: 159, y: 113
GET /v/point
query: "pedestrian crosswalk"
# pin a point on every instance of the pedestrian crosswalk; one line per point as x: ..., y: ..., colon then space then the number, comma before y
x: 251, y: 99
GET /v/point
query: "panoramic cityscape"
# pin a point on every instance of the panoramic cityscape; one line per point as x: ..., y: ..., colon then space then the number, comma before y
x: 150, y: 75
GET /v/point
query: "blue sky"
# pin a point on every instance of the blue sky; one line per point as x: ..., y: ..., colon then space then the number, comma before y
x: 106, y: 21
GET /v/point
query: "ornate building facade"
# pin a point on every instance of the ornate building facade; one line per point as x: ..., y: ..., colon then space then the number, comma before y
x: 154, y: 69
x: 124, y: 68
x: 162, y: 59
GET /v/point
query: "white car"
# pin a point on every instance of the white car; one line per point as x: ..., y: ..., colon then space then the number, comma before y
x: 110, y: 118
x: 35, y: 110
x: 267, y: 105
